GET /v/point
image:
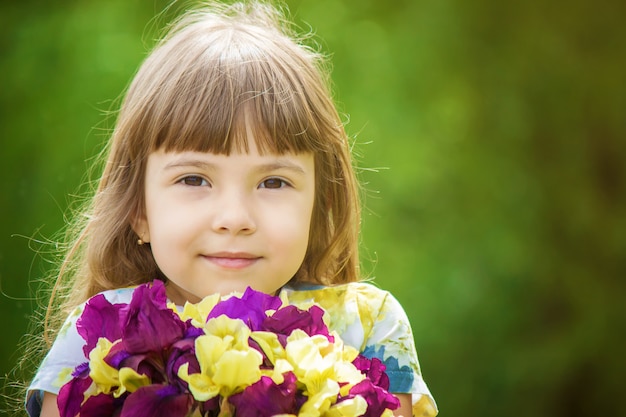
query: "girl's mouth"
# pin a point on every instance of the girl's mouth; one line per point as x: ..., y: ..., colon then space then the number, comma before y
x: 232, y: 260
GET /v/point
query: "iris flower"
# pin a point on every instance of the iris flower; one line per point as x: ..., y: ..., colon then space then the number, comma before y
x: 245, y: 354
x: 227, y: 362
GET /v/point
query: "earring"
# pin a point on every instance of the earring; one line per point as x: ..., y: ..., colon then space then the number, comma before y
x: 140, y: 242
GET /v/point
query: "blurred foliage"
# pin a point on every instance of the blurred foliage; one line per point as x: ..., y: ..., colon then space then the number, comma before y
x: 498, y: 214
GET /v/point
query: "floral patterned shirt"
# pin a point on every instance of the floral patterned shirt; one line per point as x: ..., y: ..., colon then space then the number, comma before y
x: 367, y: 318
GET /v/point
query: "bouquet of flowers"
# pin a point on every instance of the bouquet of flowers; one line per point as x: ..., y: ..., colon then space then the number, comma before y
x: 244, y: 355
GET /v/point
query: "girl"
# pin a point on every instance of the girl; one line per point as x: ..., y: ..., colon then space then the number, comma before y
x: 229, y: 167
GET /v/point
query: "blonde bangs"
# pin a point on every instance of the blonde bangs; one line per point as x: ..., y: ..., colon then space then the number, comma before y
x: 232, y: 83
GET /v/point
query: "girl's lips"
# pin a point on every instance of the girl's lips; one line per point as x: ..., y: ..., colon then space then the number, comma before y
x: 232, y: 260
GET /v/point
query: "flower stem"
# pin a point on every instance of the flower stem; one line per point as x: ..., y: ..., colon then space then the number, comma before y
x: 226, y: 408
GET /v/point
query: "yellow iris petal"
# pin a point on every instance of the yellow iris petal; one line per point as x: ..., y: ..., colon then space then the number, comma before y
x: 304, y: 352
x: 201, y: 386
x: 280, y: 367
x: 315, y: 360
x: 353, y: 407
x: 227, y: 362
x: 103, y: 375
x: 237, y: 369
x: 130, y: 381
x: 348, y: 353
x: 269, y: 344
x: 229, y: 329
x: 347, y: 372
x: 199, y: 312
x: 320, y: 402
x: 209, y: 349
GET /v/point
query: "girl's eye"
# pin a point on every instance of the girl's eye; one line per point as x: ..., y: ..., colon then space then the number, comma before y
x: 194, y: 181
x: 273, y: 183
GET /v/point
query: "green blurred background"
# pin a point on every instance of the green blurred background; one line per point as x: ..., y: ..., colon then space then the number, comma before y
x: 498, y: 214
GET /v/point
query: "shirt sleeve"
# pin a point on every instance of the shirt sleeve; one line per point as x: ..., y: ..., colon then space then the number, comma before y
x: 391, y: 340
x: 56, y: 368
x: 65, y: 354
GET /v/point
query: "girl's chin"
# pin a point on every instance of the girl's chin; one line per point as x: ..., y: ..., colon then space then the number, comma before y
x: 180, y: 296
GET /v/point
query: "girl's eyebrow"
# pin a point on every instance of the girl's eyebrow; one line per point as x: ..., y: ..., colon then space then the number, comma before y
x: 279, y: 164
x: 186, y: 163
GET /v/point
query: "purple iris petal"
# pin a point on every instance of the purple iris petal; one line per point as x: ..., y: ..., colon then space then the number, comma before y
x: 192, y: 331
x: 265, y: 399
x: 157, y: 401
x: 81, y: 371
x: 181, y: 352
x: 99, y: 319
x: 116, y: 355
x: 148, y: 324
x: 290, y: 317
x: 71, y: 396
x: 374, y: 369
x: 210, y: 407
x: 377, y: 398
x: 102, y: 406
x: 250, y: 308
x: 149, y: 364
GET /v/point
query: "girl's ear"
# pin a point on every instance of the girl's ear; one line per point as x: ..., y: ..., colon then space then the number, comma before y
x: 139, y: 223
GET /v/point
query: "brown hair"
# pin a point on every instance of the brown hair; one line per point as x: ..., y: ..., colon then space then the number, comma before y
x: 218, y: 70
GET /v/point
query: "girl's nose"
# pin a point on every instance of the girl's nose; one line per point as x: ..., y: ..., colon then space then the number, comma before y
x: 233, y: 214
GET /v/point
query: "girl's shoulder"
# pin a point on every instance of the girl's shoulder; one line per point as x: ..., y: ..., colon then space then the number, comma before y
x: 359, y: 292
x: 362, y: 287
x: 117, y: 295
x: 114, y: 296
x: 348, y: 304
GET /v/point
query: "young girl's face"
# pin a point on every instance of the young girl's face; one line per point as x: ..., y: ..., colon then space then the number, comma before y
x: 220, y: 223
